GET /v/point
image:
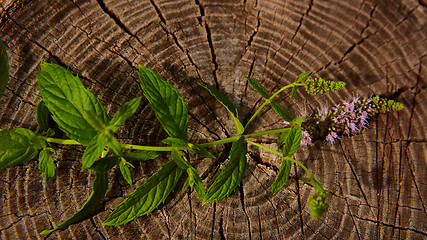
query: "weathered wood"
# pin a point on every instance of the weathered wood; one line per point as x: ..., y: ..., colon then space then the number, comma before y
x: 377, y: 179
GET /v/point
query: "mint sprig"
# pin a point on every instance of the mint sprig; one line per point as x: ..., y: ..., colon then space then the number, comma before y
x: 83, y: 119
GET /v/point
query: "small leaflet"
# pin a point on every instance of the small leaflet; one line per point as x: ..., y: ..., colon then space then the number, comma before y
x: 127, y: 110
x: 46, y: 164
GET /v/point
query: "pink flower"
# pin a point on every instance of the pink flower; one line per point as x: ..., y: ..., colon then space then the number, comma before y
x: 305, y: 139
x: 330, y: 138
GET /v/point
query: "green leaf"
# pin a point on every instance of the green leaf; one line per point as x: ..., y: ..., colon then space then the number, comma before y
x: 46, y: 164
x: 281, y: 138
x: 302, y: 76
x: 74, y: 108
x: 124, y: 169
x: 166, y: 102
x: 283, y: 175
x: 99, y: 188
x: 175, y: 142
x: 93, y: 151
x: 194, y: 181
x: 305, y: 180
x: 293, y: 93
x: 42, y: 116
x: 193, y: 178
x: 317, y: 186
x: 180, y: 160
x: 17, y: 146
x: 146, y: 197
x: 258, y: 87
x: 279, y: 109
x: 228, y: 105
x: 140, y: 155
x: 297, y: 121
x: 4, y: 68
x: 127, y: 110
x: 231, y: 175
x: 292, y: 142
x: 112, y: 142
x: 201, y: 151
x: 282, y: 111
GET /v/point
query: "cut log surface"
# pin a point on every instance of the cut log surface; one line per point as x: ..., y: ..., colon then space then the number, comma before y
x: 377, y: 180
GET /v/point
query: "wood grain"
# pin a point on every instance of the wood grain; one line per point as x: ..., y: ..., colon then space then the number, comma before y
x: 376, y: 179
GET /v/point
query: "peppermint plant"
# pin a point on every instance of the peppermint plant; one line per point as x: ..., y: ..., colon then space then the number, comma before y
x: 84, y: 121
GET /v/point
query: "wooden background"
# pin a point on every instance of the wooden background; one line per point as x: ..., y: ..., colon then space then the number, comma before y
x: 377, y: 180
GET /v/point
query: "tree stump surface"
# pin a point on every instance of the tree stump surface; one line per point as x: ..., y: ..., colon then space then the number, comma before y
x: 377, y: 180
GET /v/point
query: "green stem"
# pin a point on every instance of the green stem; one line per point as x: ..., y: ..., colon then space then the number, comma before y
x: 267, y: 101
x: 151, y: 148
x: 62, y: 141
x: 251, y: 135
x: 280, y: 154
x: 127, y: 146
x: 168, y: 148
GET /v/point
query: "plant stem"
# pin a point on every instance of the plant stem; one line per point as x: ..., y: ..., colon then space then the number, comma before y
x: 151, y: 148
x: 235, y: 138
x: 128, y: 146
x: 62, y: 141
x: 168, y: 148
x: 280, y: 154
x: 267, y: 101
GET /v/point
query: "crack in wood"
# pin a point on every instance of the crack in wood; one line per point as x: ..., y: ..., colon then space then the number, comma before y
x: 310, y: 5
x: 213, y: 220
x: 99, y: 232
x: 368, y: 23
x: 210, y: 42
x: 59, y: 61
x: 166, y: 223
x: 393, y: 226
x: 242, y: 202
x: 356, y: 178
x: 411, y: 119
x: 300, y: 207
x: 113, y: 16
x: 260, y: 224
x: 221, y: 229
x: 351, y: 214
x: 251, y: 38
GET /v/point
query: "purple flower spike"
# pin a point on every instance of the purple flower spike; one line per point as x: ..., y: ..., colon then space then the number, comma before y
x: 348, y: 118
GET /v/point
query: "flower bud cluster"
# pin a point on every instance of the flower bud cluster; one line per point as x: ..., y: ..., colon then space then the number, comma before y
x: 319, y: 85
x: 348, y: 118
x: 317, y: 204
